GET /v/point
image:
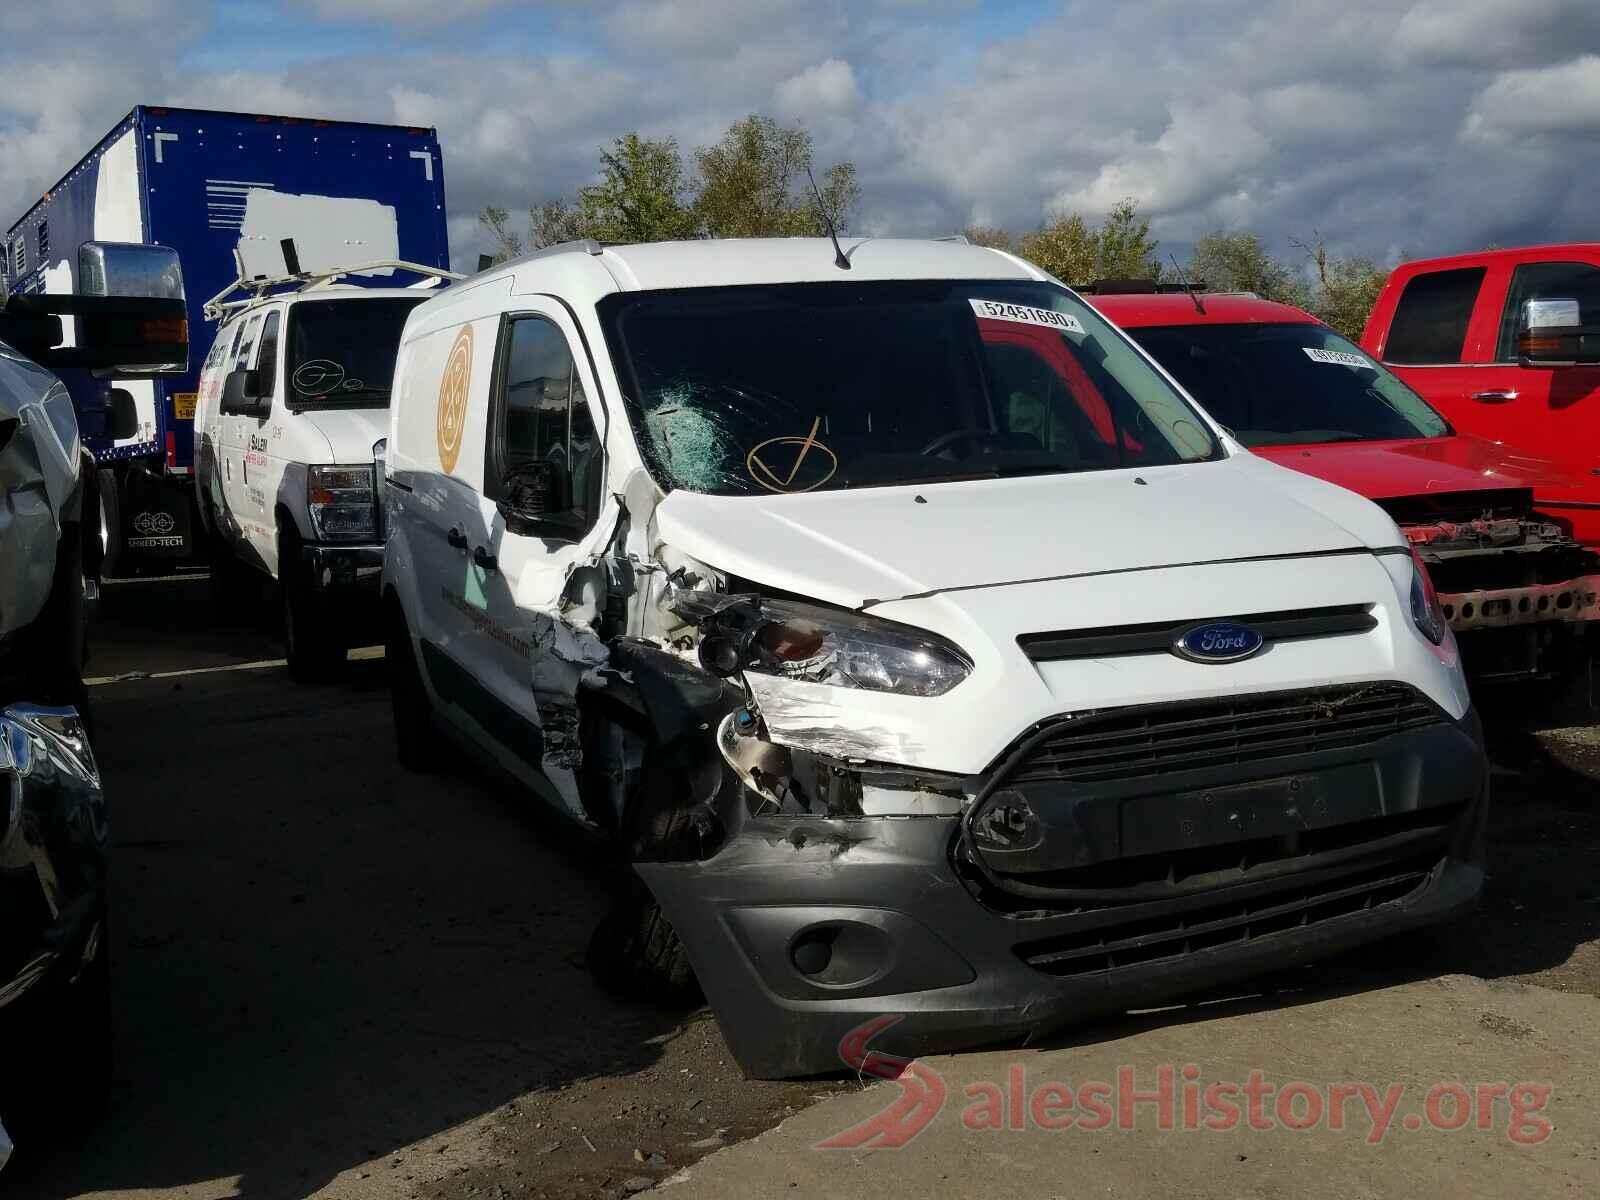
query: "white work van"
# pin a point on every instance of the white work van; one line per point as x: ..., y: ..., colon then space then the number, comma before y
x: 292, y: 397
x: 944, y: 673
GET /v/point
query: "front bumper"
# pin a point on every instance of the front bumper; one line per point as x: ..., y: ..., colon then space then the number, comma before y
x: 335, y: 571
x: 803, y: 928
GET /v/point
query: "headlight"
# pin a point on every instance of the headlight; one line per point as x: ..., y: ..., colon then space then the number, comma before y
x: 341, y: 502
x: 1426, y: 611
x: 798, y: 641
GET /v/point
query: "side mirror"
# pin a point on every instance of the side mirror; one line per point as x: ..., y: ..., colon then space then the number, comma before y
x: 1551, y: 333
x: 122, y: 415
x: 131, y: 317
x: 135, y: 272
x: 129, y: 269
x: 241, y: 393
x: 536, y: 501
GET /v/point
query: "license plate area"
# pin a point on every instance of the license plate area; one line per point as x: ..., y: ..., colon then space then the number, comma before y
x: 1241, y: 812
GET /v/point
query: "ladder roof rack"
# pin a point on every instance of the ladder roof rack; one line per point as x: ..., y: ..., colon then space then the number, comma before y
x: 259, y: 287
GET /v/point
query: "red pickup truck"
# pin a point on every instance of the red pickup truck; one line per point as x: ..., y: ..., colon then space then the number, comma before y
x: 1518, y: 590
x: 1506, y: 344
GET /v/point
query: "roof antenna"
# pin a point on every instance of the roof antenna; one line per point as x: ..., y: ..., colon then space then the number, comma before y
x: 1187, y: 286
x: 839, y: 258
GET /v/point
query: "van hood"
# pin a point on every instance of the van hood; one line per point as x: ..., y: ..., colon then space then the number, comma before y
x: 857, y: 548
x: 1386, y: 470
x: 350, y: 431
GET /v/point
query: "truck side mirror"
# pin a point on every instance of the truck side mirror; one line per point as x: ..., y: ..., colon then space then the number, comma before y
x: 535, y: 501
x: 1551, y: 333
x: 129, y: 269
x: 122, y: 415
x: 135, y: 271
x: 241, y: 393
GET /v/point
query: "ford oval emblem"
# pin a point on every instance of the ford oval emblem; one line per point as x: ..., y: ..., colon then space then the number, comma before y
x: 1218, y: 642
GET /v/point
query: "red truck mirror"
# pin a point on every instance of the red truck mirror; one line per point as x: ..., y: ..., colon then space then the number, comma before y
x: 1552, y: 334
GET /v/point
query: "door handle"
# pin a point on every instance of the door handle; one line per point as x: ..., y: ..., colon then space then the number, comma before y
x: 484, y: 560
x: 456, y: 538
x: 1502, y: 397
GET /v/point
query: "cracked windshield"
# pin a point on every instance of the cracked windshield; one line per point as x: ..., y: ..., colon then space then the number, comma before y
x: 760, y: 390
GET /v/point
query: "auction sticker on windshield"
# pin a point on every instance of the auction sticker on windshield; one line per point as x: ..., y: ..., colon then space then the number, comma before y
x: 997, y: 310
x: 1342, y: 358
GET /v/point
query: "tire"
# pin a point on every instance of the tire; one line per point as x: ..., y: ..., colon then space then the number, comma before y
x: 62, y: 1032
x: 634, y: 952
x: 315, y: 654
x: 112, y: 549
x: 416, y: 739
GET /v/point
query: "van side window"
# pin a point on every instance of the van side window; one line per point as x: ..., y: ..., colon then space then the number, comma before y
x: 1547, y: 281
x: 1430, y: 322
x: 267, y: 359
x: 246, y: 343
x: 539, y: 412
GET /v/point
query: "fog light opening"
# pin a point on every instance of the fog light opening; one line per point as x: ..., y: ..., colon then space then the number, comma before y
x: 812, y: 951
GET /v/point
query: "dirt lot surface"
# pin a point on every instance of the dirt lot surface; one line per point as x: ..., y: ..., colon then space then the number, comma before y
x: 335, y: 978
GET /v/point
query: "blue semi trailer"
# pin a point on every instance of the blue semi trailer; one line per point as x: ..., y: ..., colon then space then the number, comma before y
x: 224, y: 190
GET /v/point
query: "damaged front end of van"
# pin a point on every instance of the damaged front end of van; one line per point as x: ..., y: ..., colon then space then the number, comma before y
x: 902, y: 807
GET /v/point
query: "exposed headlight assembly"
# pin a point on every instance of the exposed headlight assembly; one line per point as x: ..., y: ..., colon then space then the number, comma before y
x: 1426, y: 611
x: 822, y: 645
x: 341, y: 502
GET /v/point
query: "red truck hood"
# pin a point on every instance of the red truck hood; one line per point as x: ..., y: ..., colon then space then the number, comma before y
x: 1420, y: 466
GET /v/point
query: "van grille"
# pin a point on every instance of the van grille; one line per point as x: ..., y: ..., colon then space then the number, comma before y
x: 1132, y: 743
x: 1158, y: 637
x: 1228, y: 923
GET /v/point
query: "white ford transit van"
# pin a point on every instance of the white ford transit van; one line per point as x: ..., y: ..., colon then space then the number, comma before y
x: 292, y: 397
x: 936, y: 661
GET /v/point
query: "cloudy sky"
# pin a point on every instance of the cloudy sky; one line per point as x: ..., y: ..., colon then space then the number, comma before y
x: 1420, y: 127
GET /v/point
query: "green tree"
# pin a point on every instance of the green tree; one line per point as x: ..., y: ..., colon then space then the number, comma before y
x: 554, y: 222
x: 1238, y: 262
x: 990, y: 235
x: 1346, y: 287
x: 1066, y: 247
x: 753, y: 183
x: 1078, y: 253
x: 640, y: 196
x: 549, y: 224
x: 1126, y: 249
x: 508, y: 243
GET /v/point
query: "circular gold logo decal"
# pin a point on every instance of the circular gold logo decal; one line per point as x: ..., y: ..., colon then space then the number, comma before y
x: 452, y: 416
x: 792, y: 464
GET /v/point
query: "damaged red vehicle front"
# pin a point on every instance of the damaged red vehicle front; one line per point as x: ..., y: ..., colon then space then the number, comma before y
x: 1519, y: 591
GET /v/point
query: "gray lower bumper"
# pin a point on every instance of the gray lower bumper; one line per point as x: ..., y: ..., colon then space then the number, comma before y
x: 801, y: 929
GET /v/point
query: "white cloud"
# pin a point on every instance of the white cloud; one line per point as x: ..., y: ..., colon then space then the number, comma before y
x: 1424, y: 125
x: 1210, y: 148
x: 1562, y: 99
x: 1494, y: 33
x: 401, y: 12
x: 830, y: 86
